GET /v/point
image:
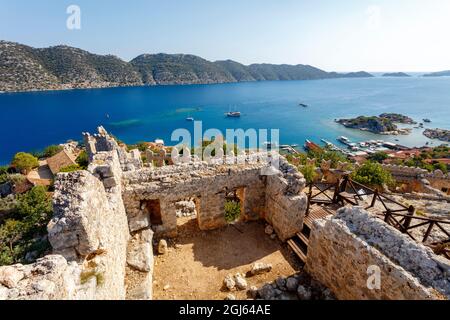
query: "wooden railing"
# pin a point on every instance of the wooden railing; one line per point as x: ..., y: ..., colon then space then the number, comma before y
x: 397, y: 214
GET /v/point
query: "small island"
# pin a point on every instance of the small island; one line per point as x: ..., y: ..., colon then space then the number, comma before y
x: 396, y: 74
x: 440, y: 134
x: 438, y: 74
x: 383, y: 124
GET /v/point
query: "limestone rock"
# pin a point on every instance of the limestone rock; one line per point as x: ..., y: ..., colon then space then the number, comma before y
x: 240, y: 281
x: 140, y: 254
x: 139, y: 222
x: 229, y: 282
x: 253, y: 292
x: 292, y: 284
x: 230, y: 297
x: 10, y: 276
x: 303, y: 293
x: 259, y: 268
x: 162, y: 247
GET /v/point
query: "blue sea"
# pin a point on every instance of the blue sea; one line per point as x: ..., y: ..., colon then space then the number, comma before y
x: 31, y: 121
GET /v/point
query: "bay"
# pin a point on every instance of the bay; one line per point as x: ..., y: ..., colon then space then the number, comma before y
x: 30, y: 121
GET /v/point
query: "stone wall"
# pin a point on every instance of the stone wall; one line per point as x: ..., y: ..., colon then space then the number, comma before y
x: 277, y: 196
x: 420, y: 180
x: 343, y: 247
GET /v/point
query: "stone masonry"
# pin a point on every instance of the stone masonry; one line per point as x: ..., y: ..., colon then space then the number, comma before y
x: 343, y: 248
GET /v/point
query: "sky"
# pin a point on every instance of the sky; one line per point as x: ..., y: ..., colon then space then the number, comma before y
x: 344, y: 35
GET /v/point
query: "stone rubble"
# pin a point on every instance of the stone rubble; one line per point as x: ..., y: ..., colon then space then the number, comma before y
x: 259, y: 268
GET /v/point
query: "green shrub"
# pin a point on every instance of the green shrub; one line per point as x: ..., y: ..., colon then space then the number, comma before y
x: 25, y: 228
x: 52, y: 150
x: 71, y: 168
x: 83, y: 160
x: 372, y: 174
x: 309, y: 172
x: 232, y: 210
x: 24, y: 162
x: 378, y: 157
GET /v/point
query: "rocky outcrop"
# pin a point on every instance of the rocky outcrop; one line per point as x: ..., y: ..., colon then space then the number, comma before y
x: 440, y: 134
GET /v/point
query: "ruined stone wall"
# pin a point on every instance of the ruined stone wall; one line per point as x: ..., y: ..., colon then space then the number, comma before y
x: 342, y: 248
x: 274, y: 195
x: 285, y: 203
x: 420, y: 180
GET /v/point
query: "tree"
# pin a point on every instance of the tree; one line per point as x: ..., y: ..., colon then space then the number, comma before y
x: 24, y: 162
x: 372, y: 174
x: 35, y: 206
x: 10, y: 233
x: 378, y: 157
x: 83, y: 160
x: 52, y: 150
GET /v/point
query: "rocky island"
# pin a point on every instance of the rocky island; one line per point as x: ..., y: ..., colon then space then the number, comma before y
x: 438, y: 74
x: 383, y: 124
x: 23, y: 68
x: 440, y: 134
x: 396, y: 74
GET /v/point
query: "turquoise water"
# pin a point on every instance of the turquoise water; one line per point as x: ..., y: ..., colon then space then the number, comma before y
x: 31, y: 121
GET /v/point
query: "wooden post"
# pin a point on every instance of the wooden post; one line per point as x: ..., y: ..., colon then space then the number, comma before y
x: 411, y: 212
x: 427, y: 234
x: 336, y: 193
x: 374, y: 200
x: 344, y: 184
x: 309, y: 198
x: 387, y: 216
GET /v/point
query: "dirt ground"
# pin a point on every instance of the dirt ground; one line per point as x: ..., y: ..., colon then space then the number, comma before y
x: 198, y: 261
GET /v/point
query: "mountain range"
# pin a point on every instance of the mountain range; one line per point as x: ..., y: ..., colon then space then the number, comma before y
x: 24, y: 68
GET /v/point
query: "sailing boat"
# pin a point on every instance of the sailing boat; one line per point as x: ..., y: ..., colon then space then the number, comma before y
x: 233, y: 114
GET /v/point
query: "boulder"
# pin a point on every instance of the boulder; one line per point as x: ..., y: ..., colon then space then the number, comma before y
x: 281, y: 283
x: 10, y: 276
x: 230, y: 297
x: 291, y: 284
x: 140, y: 253
x: 259, y: 268
x: 229, y: 282
x: 162, y: 247
x: 253, y: 292
x: 240, y: 281
x: 267, y: 292
x: 303, y: 293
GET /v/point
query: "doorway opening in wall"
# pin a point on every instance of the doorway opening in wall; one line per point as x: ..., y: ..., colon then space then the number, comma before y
x: 154, y: 209
x: 234, y: 205
x: 187, y: 209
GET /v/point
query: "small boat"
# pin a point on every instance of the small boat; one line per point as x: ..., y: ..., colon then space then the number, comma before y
x: 233, y: 114
x: 343, y: 139
x: 426, y: 120
x: 189, y: 119
x: 303, y: 105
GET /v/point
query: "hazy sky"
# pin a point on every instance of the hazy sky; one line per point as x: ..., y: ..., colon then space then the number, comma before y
x: 344, y: 35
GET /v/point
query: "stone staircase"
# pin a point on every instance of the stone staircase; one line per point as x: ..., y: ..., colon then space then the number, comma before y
x: 299, y: 244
